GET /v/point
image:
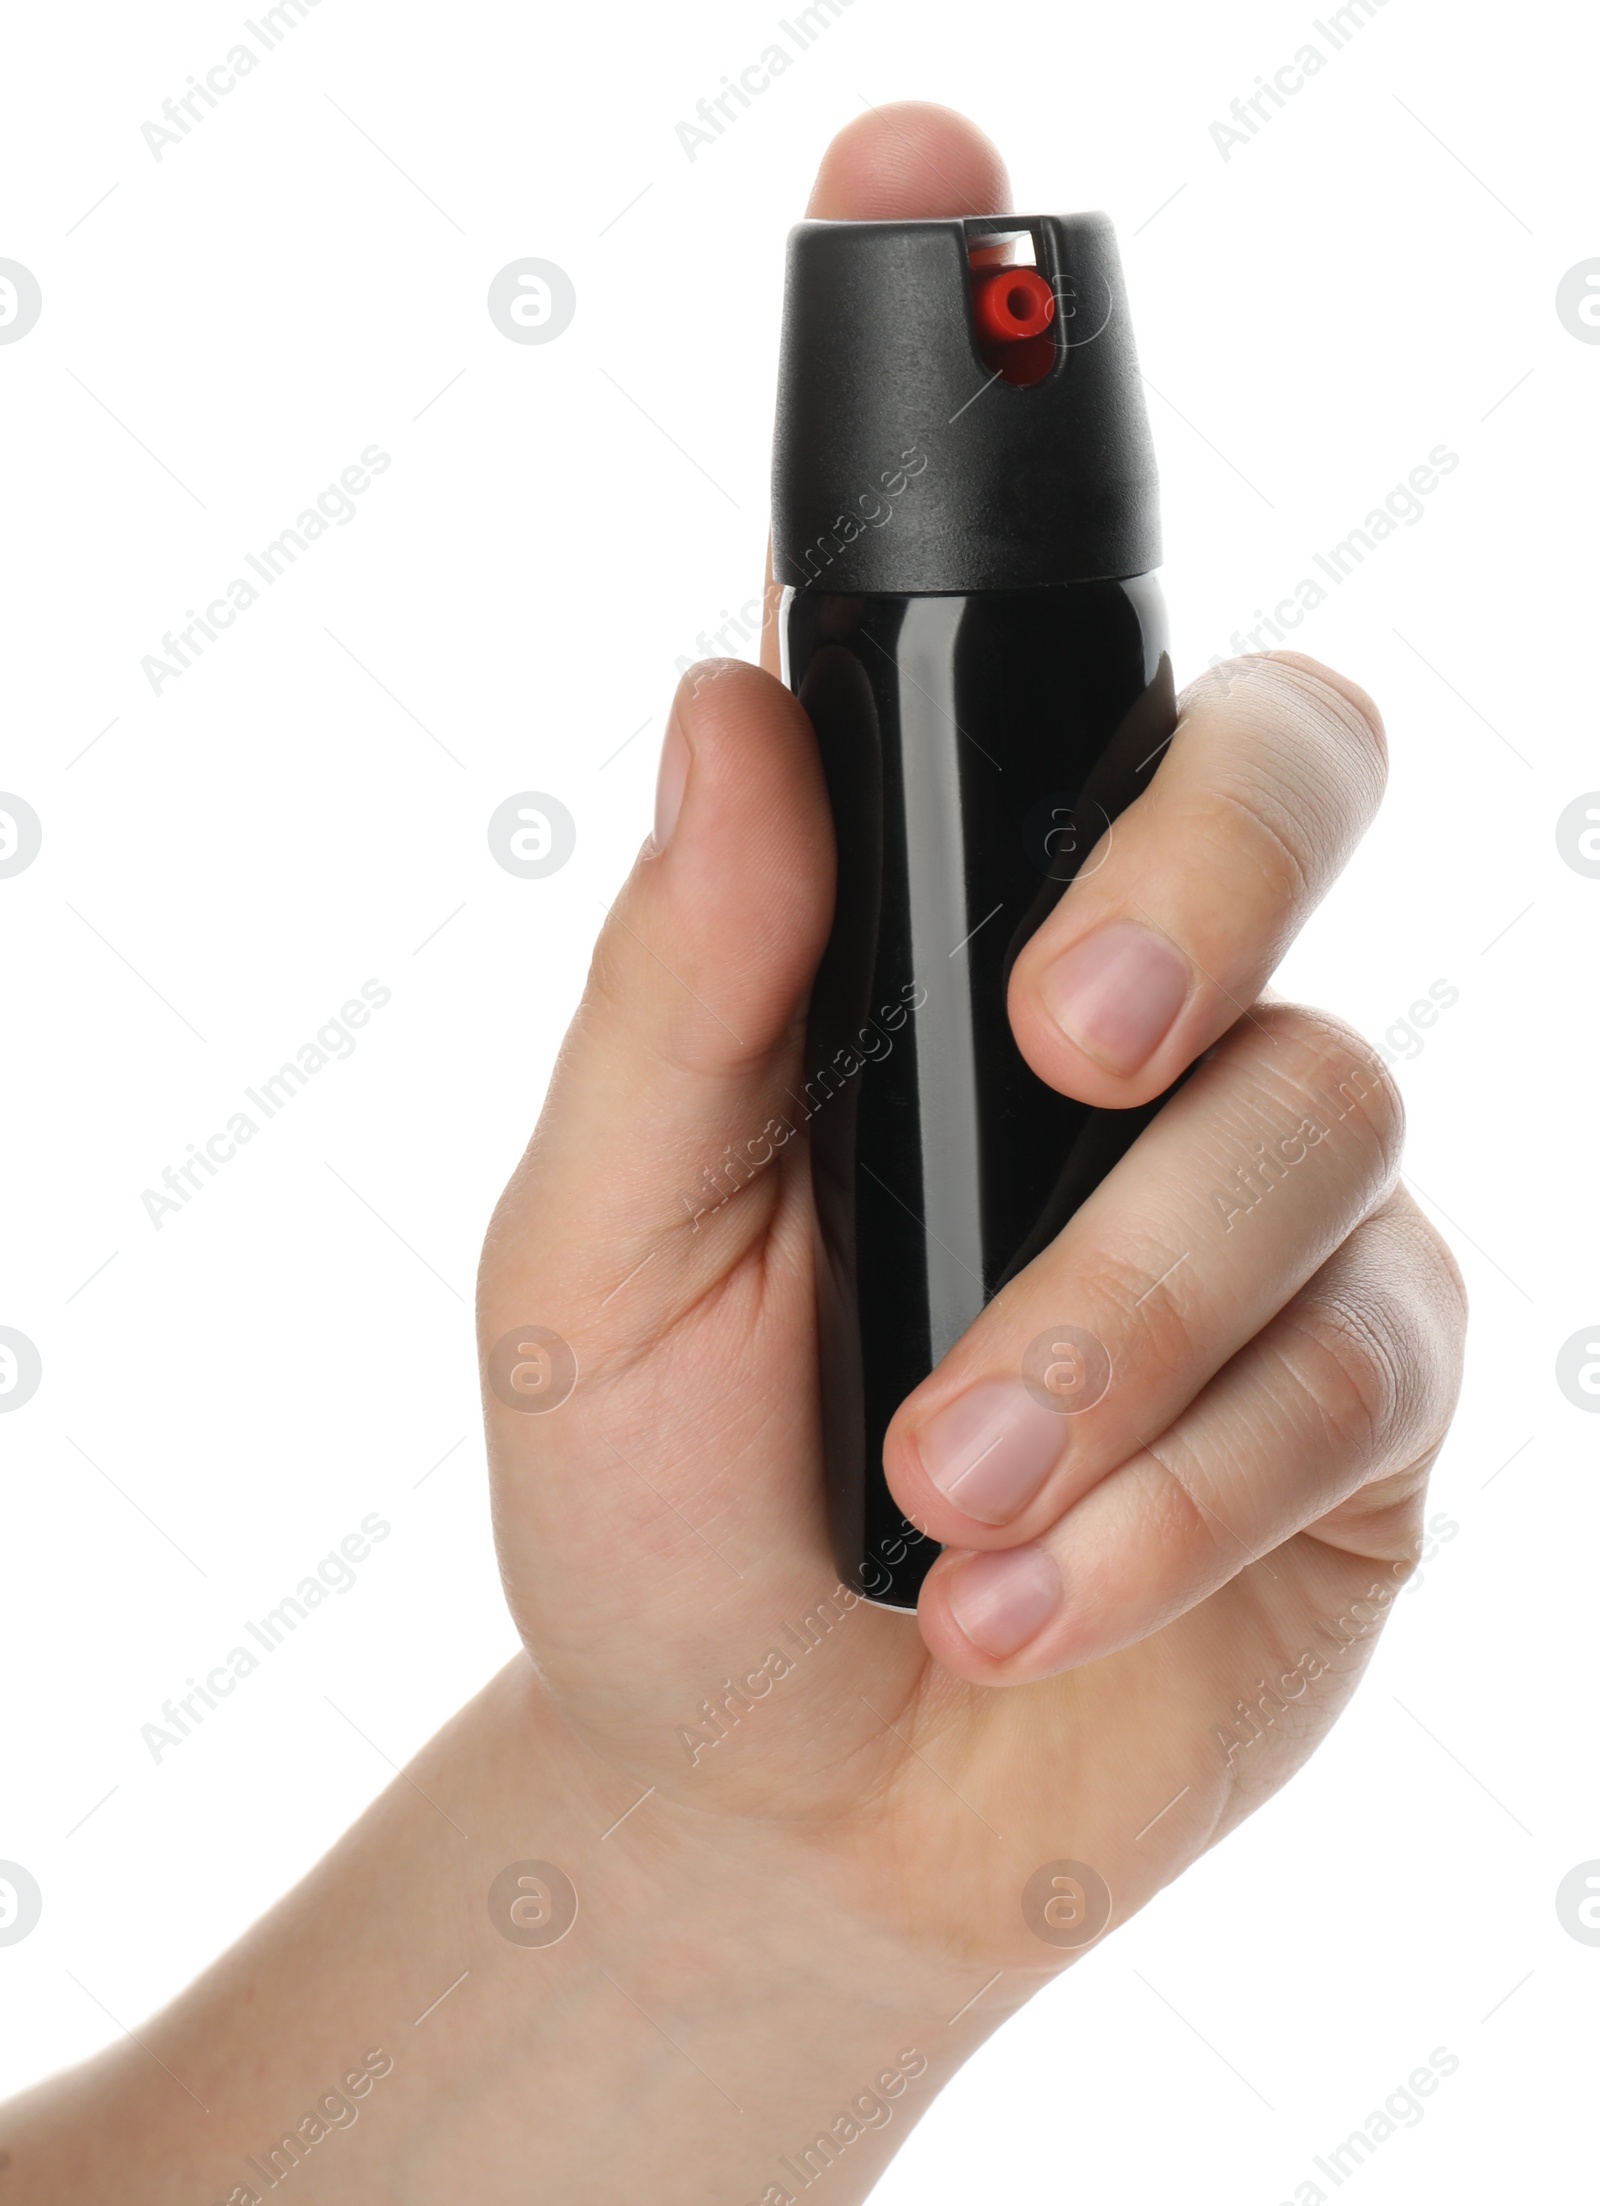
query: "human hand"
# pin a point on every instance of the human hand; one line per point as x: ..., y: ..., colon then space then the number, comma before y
x: 1284, y: 1346
x: 803, y: 1836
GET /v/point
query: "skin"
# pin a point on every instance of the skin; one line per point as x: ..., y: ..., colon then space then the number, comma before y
x: 818, y: 1893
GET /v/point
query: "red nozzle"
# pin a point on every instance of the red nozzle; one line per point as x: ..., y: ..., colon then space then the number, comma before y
x: 1012, y: 304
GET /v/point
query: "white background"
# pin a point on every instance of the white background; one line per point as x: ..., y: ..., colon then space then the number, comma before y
x: 1367, y: 278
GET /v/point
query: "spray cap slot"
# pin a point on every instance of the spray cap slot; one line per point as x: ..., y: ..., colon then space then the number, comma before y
x: 1003, y: 249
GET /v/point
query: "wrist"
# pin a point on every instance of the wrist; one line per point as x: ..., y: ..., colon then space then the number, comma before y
x: 718, y: 1982
x: 721, y: 2016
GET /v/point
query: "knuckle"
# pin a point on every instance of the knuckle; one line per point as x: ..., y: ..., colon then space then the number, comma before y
x: 1348, y: 1365
x: 1318, y: 732
x: 1439, y: 1261
x: 607, y: 987
x: 1335, y: 1077
x: 1280, y: 836
x: 1175, y: 1499
x: 1342, y: 708
x: 1376, y: 1339
x: 1429, y: 1299
x: 1188, y: 1515
x: 1149, y: 1313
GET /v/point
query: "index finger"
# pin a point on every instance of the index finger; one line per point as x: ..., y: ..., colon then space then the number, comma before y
x: 1179, y: 916
x: 909, y: 161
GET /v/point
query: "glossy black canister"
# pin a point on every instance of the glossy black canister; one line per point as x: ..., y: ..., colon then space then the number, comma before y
x: 965, y: 531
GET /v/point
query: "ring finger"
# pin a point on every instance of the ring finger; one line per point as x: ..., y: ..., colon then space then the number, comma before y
x: 1349, y: 1388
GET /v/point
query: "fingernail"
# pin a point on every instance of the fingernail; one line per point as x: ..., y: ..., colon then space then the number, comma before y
x: 991, y: 1449
x: 672, y: 777
x: 1001, y: 1601
x: 1116, y: 993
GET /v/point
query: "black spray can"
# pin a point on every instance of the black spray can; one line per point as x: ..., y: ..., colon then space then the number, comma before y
x: 965, y: 530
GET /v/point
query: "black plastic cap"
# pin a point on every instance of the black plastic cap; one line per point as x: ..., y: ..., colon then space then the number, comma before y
x: 904, y: 461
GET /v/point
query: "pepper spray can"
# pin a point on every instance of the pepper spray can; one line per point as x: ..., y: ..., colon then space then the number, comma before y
x: 965, y: 530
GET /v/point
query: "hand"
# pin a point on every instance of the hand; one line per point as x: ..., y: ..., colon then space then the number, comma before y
x: 800, y: 1829
x: 1219, y: 1534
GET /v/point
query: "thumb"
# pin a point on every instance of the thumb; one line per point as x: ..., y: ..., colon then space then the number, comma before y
x: 694, y: 993
x: 661, y: 1186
